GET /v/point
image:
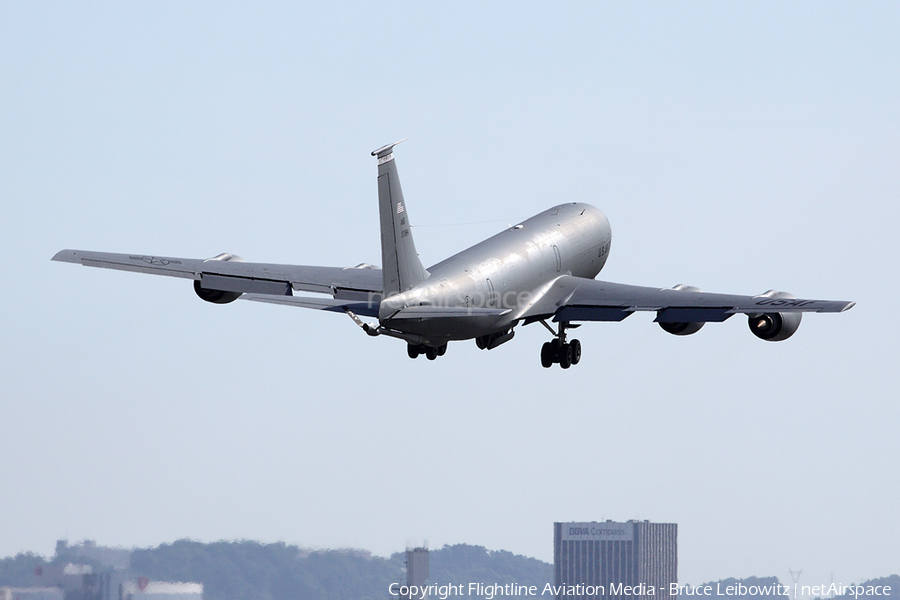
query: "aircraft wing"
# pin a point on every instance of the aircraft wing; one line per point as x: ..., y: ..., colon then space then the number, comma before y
x: 228, y: 273
x: 578, y: 299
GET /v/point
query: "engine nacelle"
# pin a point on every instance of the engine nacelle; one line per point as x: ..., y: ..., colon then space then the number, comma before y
x: 683, y: 328
x: 215, y: 296
x: 775, y: 327
x: 491, y: 341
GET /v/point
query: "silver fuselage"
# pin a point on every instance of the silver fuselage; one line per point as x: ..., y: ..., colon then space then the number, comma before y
x: 510, y: 270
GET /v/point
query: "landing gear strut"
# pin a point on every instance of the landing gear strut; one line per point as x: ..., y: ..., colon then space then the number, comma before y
x: 558, y: 350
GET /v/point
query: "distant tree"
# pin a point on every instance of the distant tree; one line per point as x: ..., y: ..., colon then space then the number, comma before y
x: 238, y: 570
x: 465, y: 564
x: 19, y: 571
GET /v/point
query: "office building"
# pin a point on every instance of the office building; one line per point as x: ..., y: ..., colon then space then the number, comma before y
x: 609, y: 560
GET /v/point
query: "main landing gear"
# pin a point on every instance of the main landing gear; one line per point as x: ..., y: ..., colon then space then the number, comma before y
x: 560, y: 351
x: 430, y: 352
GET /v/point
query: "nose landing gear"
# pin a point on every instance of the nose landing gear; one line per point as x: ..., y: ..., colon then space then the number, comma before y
x: 558, y: 350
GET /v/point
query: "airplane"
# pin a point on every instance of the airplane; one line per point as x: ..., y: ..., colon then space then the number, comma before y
x: 542, y: 269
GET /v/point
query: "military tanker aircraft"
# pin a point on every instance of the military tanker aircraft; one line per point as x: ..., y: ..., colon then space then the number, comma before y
x: 536, y: 271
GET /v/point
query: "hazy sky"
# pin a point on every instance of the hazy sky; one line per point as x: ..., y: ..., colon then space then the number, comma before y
x: 737, y: 147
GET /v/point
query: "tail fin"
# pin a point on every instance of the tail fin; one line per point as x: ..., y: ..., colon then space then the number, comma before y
x: 401, y: 268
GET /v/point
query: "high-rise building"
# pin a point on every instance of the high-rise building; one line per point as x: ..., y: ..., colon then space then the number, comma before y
x: 417, y: 564
x: 621, y: 561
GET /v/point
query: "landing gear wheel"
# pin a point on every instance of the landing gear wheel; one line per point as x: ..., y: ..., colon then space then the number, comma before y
x: 441, y: 349
x: 547, y: 355
x: 430, y: 352
x: 565, y: 356
x: 576, y: 351
x: 412, y: 350
x: 558, y: 351
x: 555, y: 346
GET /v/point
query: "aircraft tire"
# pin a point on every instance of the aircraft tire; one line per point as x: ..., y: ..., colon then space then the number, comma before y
x: 547, y: 355
x: 412, y: 350
x: 442, y: 349
x: 431, y: 352
x: 576, y: 351
x: 565, y: 356
x: 555, y: 349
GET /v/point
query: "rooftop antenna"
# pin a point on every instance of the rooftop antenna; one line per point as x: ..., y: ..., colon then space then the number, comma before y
x: 795, y: 575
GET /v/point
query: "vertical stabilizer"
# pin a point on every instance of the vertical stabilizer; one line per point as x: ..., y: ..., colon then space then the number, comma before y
x: 400, y: 265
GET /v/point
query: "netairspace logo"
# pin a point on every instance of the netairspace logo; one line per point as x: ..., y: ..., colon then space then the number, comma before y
x: 833, y: 589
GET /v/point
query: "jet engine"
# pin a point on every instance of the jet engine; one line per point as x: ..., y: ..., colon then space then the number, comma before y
x: 218, y: 296
x: 774, y: 327
x: 683, y: 328
x: 491, y: 341
x: 215, y: 296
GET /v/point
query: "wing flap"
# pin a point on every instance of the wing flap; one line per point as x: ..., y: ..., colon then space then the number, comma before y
x: 682, y: 314
x: 366, y: 309
x: 592, y: 313
x: 228, y: 283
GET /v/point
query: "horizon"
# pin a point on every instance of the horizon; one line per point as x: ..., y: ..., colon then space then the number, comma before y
x: 792, y: 588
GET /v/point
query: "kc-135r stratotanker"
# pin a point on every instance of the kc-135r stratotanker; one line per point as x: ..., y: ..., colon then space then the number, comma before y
x: 539, y: 270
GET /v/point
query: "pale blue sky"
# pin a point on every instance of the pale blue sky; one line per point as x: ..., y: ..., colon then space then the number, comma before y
x: 734, y: 146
